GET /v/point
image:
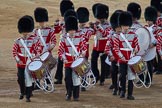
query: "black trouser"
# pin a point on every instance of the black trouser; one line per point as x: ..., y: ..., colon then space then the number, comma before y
x: 150, y: 70
x: 114, y: 74
x: 21, y: 81
x: 94, y: 65
x: 123, y: 73
x: 69, y: 84
x: 159, y: 64
x: 59, y: 71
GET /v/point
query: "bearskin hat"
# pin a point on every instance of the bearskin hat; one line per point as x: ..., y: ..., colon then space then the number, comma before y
x: 157, y: 4
x: 71, y: 23
x: 125, y: 19
x: 135, y: 9
x: 150, y: 14
x: 94, y: 9
x: 25, y: 24
x: 102, y: 11
x: 83, y: 14
x: 114, y: 19
x: 65, y: 5
x: 41, y: 14
x: 70, y: 12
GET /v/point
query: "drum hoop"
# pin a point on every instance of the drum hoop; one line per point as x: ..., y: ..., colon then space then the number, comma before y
x: 33, y: 61
x: 80, y: 63
x: 45, y: 52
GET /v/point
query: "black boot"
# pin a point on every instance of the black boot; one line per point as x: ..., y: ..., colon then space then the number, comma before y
x: 58, y: 82
x: 76, y: 93
x: 122, y: 94
x: 68, y: 95
x: 130, y: 90
x: 21, y: 96
x: 115, y: 92
x: 28, y: 93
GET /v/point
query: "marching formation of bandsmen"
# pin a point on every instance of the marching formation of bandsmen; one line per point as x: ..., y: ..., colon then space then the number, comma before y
x: 116, y: 41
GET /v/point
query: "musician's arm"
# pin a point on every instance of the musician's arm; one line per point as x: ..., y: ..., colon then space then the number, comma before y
x: 52, y: 40
x: 83, y: 47
x: 57, y: 27
x: 159, y: 45
x: 15, y: 51
x: 136, y: 45
x: 104, y: 32
x: 61, y: 50
x: 108, y: 48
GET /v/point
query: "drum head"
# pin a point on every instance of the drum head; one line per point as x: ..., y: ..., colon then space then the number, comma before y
x: 144, y: 39
x: 35, y: 65
x: 134, y: 60
x: 77, y: 62
x: 44, y: 56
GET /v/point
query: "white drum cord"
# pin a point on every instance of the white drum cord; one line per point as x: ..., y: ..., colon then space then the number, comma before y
x: 43, y: 84
x: 88, y: 80
x: 145, y: 73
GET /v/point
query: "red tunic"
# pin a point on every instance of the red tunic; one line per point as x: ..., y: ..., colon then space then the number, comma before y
x: 155, y: 29
x: 59, y: 26
x: 48, y: 35
x: 66, y: 51
x: 109, y: 48
x: 20, y: 52
x: 159, y: 21
x: 122, y: 49
x: 87, y: 32
x: 159, y: 42
x: 102, y: 32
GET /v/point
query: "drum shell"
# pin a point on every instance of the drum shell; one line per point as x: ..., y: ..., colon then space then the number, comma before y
x: 138, y: 67
x: 82, y: 68
x: 50, y: 61
x: 39, y: 73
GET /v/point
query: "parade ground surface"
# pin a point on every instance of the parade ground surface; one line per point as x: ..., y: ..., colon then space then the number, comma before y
x: 95, y: 97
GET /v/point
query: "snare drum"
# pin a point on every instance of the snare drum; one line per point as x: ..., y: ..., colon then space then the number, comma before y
x: 48, y: 59
x: 80, y: 66
x: 36, y: 69
x: 137, y: 64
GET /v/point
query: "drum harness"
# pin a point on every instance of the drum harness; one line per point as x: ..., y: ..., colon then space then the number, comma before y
x: 144, y: 73
x: 44, y: 86
x: 88, y: 76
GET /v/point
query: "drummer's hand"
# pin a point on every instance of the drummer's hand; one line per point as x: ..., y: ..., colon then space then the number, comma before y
x: 135, y: 51
x: 112, y: 58
x: 65, y: 61
x: 56, y: 22
x: 83, y: 54
x: 123, y: 59
x: 51, y: 46
x: 20, y: 62
x: 151, y: 45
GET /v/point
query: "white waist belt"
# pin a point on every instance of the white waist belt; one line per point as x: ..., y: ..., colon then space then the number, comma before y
x: 125, y: 49
x: 68, y: 54
x: 102, y: 39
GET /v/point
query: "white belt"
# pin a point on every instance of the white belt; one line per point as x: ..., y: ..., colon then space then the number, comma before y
x: 125, y: 49
x: 68, y: 54
x: 23, y: 55
x: 87, y: 42
x: 102, y: 38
